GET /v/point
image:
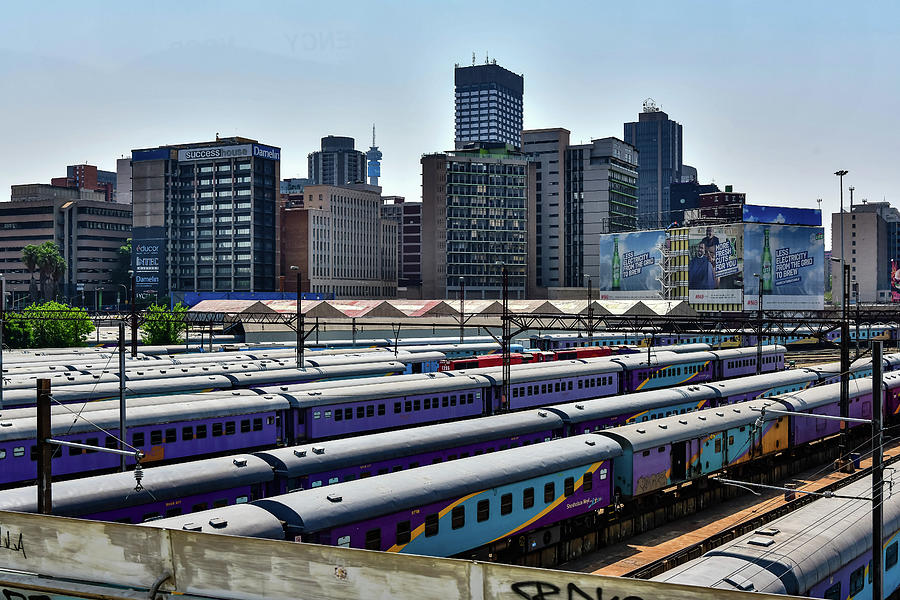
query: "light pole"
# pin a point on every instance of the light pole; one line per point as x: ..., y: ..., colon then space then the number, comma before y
x: 462, y: 308
x: 504, y: 400
x: 840, y: 175
x: 299, y: 319
x: 855, y: 285
x: 590, y: 308
x: 759, y: 319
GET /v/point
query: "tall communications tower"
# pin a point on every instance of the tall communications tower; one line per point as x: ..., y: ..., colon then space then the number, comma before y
x: 374, y: 158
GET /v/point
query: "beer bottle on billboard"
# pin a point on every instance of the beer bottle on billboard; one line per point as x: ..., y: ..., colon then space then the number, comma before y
x: 766, y: 265
x: 616, y: 265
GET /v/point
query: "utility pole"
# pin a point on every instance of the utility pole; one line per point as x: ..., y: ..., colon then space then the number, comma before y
x: 300, y: 323
x: 759, y: 324
x: 504, y: 394
x: 840, y: 175
x: 44, y: 448
x: 590, y: 309
x: 122, y: 427
x: 877, y: 473
x: 856, y: 295
x: 844, y: 446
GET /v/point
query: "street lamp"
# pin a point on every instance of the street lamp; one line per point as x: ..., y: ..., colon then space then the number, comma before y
x: 590, y: 309
x: 504, y: 397
x: 300, y: 323
x: 462, y: 308
x: 840, y: 175
x: 759, y: 317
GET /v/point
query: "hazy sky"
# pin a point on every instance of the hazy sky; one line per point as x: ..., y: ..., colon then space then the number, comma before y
x: 773, y: 96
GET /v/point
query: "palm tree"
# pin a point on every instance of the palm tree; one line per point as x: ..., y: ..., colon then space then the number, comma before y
x: 51, y: 266
x: 30, y: 258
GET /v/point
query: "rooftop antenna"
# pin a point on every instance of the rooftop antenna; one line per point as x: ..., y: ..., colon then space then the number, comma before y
x: 373, y: 134
x: 217, y: 136
x: 486, y: 61
x: 650, y: 106
x: 473, y: 59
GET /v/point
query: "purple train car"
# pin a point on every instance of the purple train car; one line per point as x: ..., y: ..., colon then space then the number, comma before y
x: 168, y: 491
x: 170, y: 431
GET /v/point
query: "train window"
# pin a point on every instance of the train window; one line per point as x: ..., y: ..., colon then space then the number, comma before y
x: 531, y: 390
x: 857, y: 580
x: 187, y: 433
x: 464, y: 455
x: 645, y: 453
x: 471, y: 398
x: 149, y: 516
x: 271, y: 420
x: 373, y: 539
x: 407, y: 406
x: 348, y: 414
x: 339, y: 415
x: 587, y: 482
x: 549, y: 492
x: 365, y: 474
x: 427, y: 403
x: 528, y: 498
x: 478, y: 452
x: 451, y: 457
x: 417, y: 405
x: 171, y: 435
x: 382, y: 471
x: 580, y: 384
x: 718, y: 444
x: 316, y: 415
x: 91, y: 442
x: 436, y: 460
x: 432, y: 524
x: 230, y: 428
x: 445, y: 401
x: 2, y: 454
x: 216, y: 429
x: 349, y: 477
x: 137, y: 439
x: 458, y: 517
x: 483, y: 511
x: 730, y: 440
x: 201, y: 432
x: 506, y: 501
x: 515, y: 392
x: 890, y: 556
x: 332, y: 480
x: 245, y: 425
x: 413, y: 465
x: 570, y: 385
x: 110, y: 442
x: 569, y: 486
x: 452, y: 400
x: 403, y: 535
x: 73, y: 451
x: 34, y: 453
x: 361, y: 412
x: 397, y: 468
x: 220, y: 502
x: 381, y: 410
x: 173, y: 512
x: 396, y: 407
x: 156, y: 437
x: 343, y: 541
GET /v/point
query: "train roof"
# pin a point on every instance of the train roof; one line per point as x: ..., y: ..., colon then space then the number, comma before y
x: 238, y: 519
x: 739, y: 385
x: 88, y: 495
x: 62, y: 424
x: 795, y: 552
x: 598, y: 408
x: 693, y: 425
x: 321, y: 508
x: 386, y: 388
x: 730, y: 353
x: 333, y: 454
x: 665, y: 357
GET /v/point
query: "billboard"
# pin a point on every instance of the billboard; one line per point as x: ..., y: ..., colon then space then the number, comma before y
x: 782, y: 215
x: 631, y: 265
x: 715, y: 268
x: 148, y: 258
x: 790, y: 261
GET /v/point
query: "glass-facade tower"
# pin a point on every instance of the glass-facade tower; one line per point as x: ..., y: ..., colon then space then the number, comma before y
x: 488, y: 105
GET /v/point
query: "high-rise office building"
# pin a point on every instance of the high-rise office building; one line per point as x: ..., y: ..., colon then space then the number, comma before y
x: 88, y: 177
x: 474, y: 217
x: 342, y: 245
x: 601, y: 197
x: 408, y: 217
x: 581, y: 191
x: 205, y: 216
x: 87, y: 228
x: 488, y: 105
x: 658, y: 139
x: 337, y: 163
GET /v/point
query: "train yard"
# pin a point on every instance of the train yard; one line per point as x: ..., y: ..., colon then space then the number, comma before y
x: 577, y: 449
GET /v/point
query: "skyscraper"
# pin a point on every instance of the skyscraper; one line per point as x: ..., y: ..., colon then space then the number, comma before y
x: 488, y: 105
x: 658, y: 141
x: 337, y: 163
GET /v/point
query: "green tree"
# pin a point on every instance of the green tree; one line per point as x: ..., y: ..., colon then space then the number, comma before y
x: 30, y: 258
x: 163, y: 326
x: 120, y: 272
x: 52, y: 266
x: 47, y: 325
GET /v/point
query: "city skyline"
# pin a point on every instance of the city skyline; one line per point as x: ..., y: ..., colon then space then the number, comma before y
x: 773, y: 99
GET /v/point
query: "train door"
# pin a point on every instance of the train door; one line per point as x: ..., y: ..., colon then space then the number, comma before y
x: 678, y: 461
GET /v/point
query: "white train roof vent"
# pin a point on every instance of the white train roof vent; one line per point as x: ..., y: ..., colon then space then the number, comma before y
x: 300, y: 453
x: 334, y: 497
x: 218, y: 522
x: 318, y: 450
x: 192, y: 527
x: 759, y: 541
x: 240, y: 462
x: 770, y: 531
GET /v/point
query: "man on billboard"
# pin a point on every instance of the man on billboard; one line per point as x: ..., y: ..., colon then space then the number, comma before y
x: 711, y: 242
x: 701, y: 275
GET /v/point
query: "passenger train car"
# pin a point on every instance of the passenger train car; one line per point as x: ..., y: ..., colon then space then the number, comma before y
x: 318, y: 414
x: 531, y: 496
x: 822, y: 550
